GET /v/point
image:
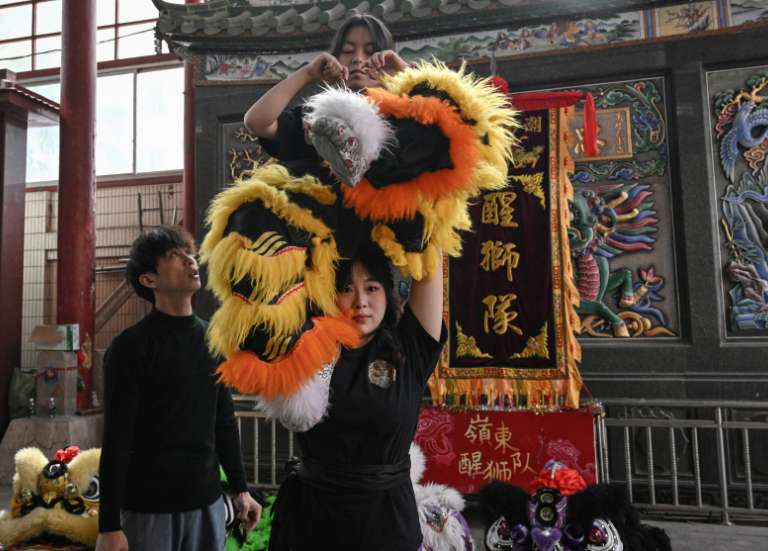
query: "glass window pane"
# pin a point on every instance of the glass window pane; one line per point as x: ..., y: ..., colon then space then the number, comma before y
x: 43, y: 141
x: 160, y: 120
x: 16, y: 56
x: 105, y: 49
x: 105, y: 12
x: 48, y: 52
x: 16, y: 22
x: 51, y: 90
x: 48, y: 18
x: 136, y: 10
x: 114, y: 124
x: 42, y: 153
x: 136, y: 40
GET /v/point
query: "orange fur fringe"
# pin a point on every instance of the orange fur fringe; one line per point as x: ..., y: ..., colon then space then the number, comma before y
x: 315, y: 348
x: 397, y: 201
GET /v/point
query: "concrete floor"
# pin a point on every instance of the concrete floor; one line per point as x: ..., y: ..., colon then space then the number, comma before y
x: 695, y: 536
x: 685, y: 536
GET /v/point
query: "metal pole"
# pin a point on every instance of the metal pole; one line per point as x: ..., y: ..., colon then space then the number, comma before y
x: 649, y: 456
x: 141, y: 213
x: 75, y: 276
x: 273, y: 446
x: 721, y: 464
x: 606, y: 464
x: 160, y: 207
x: 598, y: 450
x: 697, y: 466
x: 748, y: 469
x: 255, y: 450
x: 188, y: 185
x: 13, y: 162
x: 673, y: 460
x: 628, y: 463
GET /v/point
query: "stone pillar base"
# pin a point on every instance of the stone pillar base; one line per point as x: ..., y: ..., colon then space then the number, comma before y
x: 48, y: 434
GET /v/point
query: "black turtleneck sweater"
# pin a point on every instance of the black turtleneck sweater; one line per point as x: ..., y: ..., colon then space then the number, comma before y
x: 167, y: 423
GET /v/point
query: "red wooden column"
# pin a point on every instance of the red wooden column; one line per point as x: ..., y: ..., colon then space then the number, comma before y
x: 18, y: 109
x: 75, y: 276
x: 189, y: 144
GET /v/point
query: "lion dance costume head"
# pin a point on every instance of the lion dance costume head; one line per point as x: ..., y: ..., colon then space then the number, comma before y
x: 395, y: 166
x: 55, y: 504
x: 562, y: 513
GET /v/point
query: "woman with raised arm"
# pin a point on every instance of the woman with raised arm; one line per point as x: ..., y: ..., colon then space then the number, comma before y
x: 353, y: 489
x: 360, y: 51
x: 371, y: 177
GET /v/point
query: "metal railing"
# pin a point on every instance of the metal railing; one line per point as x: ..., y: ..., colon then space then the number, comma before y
x: 262, y: 457
x: 643, y: 444
x: 676, y: 458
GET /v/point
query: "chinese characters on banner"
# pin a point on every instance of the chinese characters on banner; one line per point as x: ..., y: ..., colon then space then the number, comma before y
x: 500, y: 288
x: 468, y: 449
x: 510, y: 296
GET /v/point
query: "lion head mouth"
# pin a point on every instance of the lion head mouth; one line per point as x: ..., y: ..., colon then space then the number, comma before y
x: 49, y: 542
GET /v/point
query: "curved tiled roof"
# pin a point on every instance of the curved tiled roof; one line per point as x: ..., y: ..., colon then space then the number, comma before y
x: 248, y: 25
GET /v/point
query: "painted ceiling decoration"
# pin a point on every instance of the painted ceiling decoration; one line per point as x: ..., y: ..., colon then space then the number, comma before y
x: 269, y: 26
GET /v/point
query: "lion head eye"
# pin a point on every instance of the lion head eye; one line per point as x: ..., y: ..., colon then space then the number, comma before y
x: 92, y: 492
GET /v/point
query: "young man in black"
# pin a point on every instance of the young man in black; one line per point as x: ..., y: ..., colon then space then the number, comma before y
x: 167, y: 423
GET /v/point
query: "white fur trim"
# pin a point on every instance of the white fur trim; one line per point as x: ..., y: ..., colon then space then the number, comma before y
x: 446, y: 503
x: 440, y: 494
x: 452, y: 538
x: 84, y: 467
x: 418, y: 463
x: 304, y: 409
x: 29, y: 464
x: 361, y: 115
x: 443, y: 500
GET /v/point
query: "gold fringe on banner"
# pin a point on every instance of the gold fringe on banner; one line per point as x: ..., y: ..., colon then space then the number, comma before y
x: 571, y: 321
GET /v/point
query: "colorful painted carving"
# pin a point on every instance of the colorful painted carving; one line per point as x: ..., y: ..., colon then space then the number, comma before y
x: 693, y: 17
x: 741, y: 129
x: 648, y: 134
x: 508, y: 42
x: 614, y: 215
x: 605, y: 224
x: 748, y: 11
x: 244, y: 151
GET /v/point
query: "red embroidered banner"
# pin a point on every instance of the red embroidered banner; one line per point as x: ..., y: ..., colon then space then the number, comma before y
x: 510, y: 297
x: 468, y: 449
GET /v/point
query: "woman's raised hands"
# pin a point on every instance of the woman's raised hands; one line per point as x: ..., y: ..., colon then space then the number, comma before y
x: 326, y: 68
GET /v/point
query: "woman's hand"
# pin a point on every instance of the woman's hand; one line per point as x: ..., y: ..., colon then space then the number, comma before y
x: 387, y: 61
x: 326, y: 68
x: 261, y: 118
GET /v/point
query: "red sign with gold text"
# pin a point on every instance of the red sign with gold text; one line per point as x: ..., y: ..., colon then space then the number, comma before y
x: 468, y: 449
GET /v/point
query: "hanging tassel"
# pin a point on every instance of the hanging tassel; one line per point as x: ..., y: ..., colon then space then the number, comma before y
x: 500, y: 84
x: 590, y: 126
